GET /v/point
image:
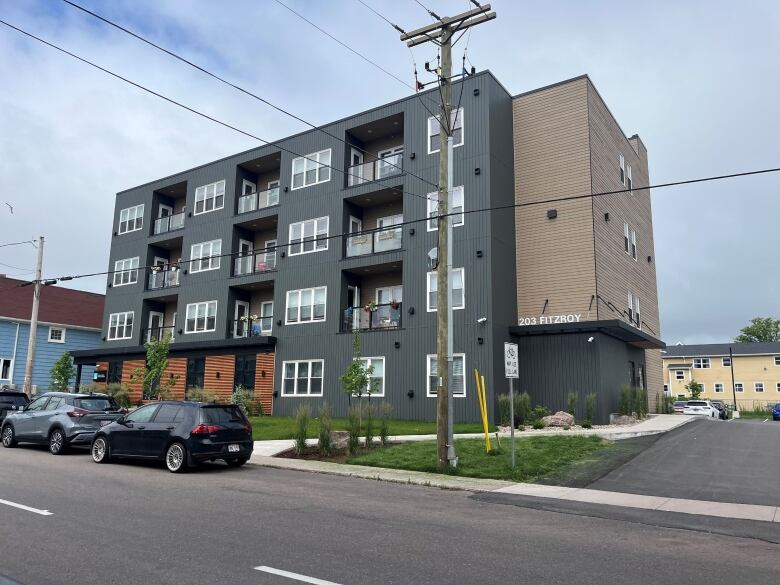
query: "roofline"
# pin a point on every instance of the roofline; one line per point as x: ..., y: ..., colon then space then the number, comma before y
x: 52, y: 324
x: 550, y: 86
x: 318, y: 127
x: 696, y: 355
x: 83, y: 292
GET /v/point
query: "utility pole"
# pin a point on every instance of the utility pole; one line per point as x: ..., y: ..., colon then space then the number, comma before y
x: 441, y: 33
x: 27, y: 386
x: 735, y: 414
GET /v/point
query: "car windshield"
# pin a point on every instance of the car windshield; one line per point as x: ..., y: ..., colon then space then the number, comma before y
x: 221, y: 414
x: 96, y: 403
x: 680, y: 403
x: 13, y: 400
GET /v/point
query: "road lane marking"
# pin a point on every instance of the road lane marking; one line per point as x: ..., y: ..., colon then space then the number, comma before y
x: 27, y: 508
x: 294, y: 576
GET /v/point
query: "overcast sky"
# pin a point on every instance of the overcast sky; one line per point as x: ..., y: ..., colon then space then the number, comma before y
x: 699, y: 82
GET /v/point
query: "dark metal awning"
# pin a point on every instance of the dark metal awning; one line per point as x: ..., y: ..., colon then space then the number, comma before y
x: 614, y: 328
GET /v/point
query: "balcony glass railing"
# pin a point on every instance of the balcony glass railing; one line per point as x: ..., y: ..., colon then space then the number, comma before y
x: 258, y: 200
x: 375, y: 170
x: 158, y: 333
x: 256, y: 263
x: 159, y: 279
x: 372, y: 317
x: 374, y: 242
x: 169, y: 223
x: 249, y: 327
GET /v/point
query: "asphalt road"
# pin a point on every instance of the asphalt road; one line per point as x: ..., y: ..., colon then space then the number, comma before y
x: 137, y: 523
x: 724, y: 461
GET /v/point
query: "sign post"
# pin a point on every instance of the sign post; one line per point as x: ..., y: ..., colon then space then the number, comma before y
x: 511, y: 372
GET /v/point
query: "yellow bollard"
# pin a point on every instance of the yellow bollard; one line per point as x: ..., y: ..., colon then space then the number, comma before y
x: 483, y: 408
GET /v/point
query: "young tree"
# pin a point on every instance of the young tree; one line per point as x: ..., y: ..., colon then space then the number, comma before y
x: 694, y: 388
x: 62, y: 373
x: 155, y: 385
x: 356, y: 380
x: 761, y: 329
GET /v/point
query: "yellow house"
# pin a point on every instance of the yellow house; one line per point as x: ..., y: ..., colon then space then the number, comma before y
x: 751, y: 372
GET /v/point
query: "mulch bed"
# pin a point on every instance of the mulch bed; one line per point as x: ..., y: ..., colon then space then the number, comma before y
x: 313, y: 454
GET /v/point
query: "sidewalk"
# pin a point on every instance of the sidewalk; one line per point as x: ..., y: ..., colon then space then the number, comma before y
x: 656, y: 424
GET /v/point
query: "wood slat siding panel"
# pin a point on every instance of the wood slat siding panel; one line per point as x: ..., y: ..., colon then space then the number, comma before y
x: 264, y: 386
x: 226, y: 366
x: 136, y: 388
x: 617, y: 273
x: 177, y: 367
x: 555, y: 258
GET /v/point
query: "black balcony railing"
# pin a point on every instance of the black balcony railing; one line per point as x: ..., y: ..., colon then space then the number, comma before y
x: 152, y: 334
x: 258, y: 200
x: 372, y: 317
x: 163, y: 278
x: 375, y: 170
x: 169, y: 224
x: 249, y: 327
x: 374, y: 242
x: 255, y: 263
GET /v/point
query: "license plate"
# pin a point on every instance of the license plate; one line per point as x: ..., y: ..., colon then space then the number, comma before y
x: 104, y: 422
x: 233, y: 448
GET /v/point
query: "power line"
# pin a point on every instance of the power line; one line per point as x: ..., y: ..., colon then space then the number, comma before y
x: 16, y: 267
x: 203, y: 115
x: 18, y: 243
x: 233, y: 85
x: 458, y: 213
x: 428, y: 10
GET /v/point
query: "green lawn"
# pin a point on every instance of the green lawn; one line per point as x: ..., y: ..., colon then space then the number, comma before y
x: 536, y: 457
x: 281, y: 427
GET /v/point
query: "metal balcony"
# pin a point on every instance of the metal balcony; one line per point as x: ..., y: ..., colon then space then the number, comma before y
x: 258, y: 200
x: 161, y: 279
x: 376, y: 170
x: 256, y: 263
x: 248, y: 327
x: 372, y: 317
x: 374, y: 242
x: 169, y: 223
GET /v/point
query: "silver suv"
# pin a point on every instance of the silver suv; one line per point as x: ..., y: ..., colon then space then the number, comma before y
x: 59, y: 419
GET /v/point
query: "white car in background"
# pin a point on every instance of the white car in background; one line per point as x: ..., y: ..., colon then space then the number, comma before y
x: 701, y: 408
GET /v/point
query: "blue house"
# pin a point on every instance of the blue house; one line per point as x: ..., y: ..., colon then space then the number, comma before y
x: 68, y: 320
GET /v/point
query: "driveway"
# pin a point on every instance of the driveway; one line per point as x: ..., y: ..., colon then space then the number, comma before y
x: 724, y: 461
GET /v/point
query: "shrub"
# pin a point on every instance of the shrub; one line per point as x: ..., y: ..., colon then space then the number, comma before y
x: 640, y: 402
x: 538, y: 423
x: 626, y: 402
x: 244, y: 399
x: 384, y: 423
x: 521, y: 428
x: 326, y: 425
x: 522, y: 408
x: 566, y: 427
x: 62, y: 373
x: 368, y: 427
x: 503, y: 410
x: 586, y: 424
x: 301, y: 427
x: 539, y: 412
x: 571, y: 403
x: 590, y: 406
x: 120, y: 393
x: 201, y: 395
x: 353, y: 423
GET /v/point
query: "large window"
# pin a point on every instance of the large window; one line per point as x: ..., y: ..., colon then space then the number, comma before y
x: 245, y: 371
x: 701, y: 363
x: 457, y: 376
x: 57, y: 334
x: 126, y: 271
x: 120, y: 325
x: 311, y: 169
x: 205, y: 256
x: 302, y: 378
x: 457, y: 207
x: 456, y: 124
x: 131, y: 219
x: 210, y: 197
x: 5, y: 369
x: 376, y: 381
x: 629, y: 240
x: 458, y: 290
x: 201, y: 317
x: 309, y: 236
x: 306, y: 305
x: 196, y: 370
x: 114, y: 374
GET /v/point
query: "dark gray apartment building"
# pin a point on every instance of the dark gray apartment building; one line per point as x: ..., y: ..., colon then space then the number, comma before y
x: 263, y: 264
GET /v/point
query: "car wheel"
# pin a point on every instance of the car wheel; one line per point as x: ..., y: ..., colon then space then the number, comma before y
x: 176, y: 458
x: 57, y: 442
x: 9, y: 438
x: 237, y: 462
x: 100, y: 451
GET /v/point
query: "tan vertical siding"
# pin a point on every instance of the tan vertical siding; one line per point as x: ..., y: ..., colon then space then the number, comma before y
x: 177, y: 367
x: 264, y: 381
x: 136, y: 388
x: 222, y: 386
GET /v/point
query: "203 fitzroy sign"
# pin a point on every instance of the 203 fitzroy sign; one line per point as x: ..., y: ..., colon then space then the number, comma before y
x: 550, y: 319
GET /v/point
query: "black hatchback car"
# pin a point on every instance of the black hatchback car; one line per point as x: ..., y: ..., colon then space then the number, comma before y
x: 180, y: 433
x: 10, y: 401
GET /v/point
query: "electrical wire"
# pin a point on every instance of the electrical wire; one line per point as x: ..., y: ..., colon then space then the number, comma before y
x: 428, y: 10
x: 233, y: 85
x: 18, y: 243
x: 203, y: 115
x: 458, y: 213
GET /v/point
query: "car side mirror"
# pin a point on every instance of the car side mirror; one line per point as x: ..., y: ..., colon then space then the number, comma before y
x: 20, y: 408
x: 121, y: 420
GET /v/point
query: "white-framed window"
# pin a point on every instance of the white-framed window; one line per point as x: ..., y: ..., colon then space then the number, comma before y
x: 701, y: 363
x: 131, y: 219
x: 739, y: 387
x: 56, y: 334
x: 377, y: 377
x: 458, y: 289
x: 622, y: 170
x: 758, y: 387
x: 457, y: 376
x: 6, y: 367
x: 725, y: 362
x: 634, y: 314
x: 457, y: 207
x: 210, y: 197
x: 201, y: 317
x: 302, y: 377
x: 629, y: 178
x: 125, y: 271
x: 629, y: 240
x: 456, y: 124
x: 306, y: 305
x: 666, y: 388
x: 120, y: 325
x: 679, y: 375
x: 311, y: 169
x: 718, y: 387
x: 205, y: 256
x: 309, y: 236
x: 777, y: 386
x: 777, y: 360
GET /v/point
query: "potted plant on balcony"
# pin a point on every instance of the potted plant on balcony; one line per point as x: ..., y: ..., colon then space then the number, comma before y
x: 370, y: 307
